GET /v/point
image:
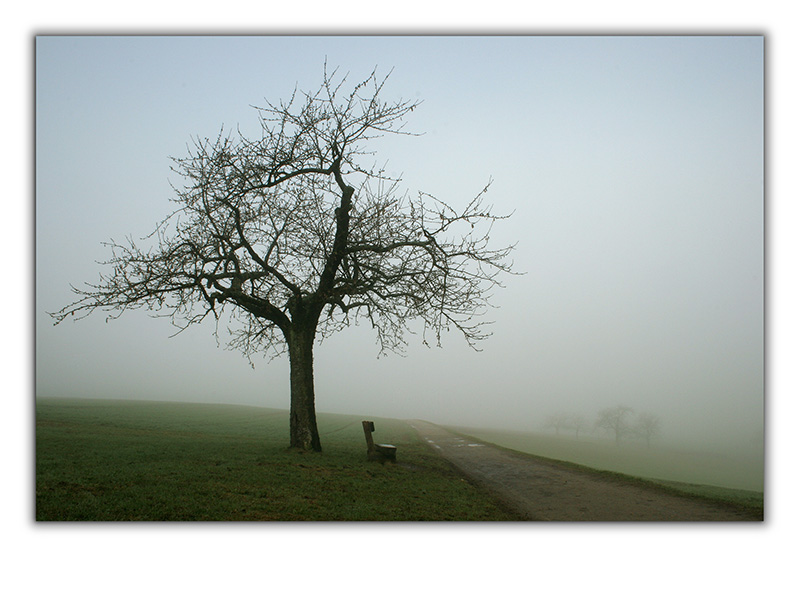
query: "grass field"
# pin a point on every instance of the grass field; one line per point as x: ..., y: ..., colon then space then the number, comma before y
x: 153, y: 461
x: 738, y: 478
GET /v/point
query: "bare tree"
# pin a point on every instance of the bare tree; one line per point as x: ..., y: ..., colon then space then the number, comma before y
x: 296, y: 234
x: 578, y: 424
x: 615, y: 421
x: 647, y: 426
x: 557, y: 421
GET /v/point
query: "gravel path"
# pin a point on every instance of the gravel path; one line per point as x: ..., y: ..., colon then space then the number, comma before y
x: 540, y: 490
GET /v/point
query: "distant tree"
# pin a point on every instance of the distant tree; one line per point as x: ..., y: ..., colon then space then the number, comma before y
x: 615, y: 421
x: 578, y: 424
x: 647, y: 426
x: 557, y: 421
x: 296, y: 235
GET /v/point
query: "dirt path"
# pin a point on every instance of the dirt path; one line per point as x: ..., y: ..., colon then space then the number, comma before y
x: 540, y: 490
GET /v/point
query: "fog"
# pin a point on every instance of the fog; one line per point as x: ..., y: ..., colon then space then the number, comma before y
x: 633, y: 168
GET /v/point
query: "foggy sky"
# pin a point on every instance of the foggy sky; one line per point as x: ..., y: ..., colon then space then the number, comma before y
x: 633, y: 168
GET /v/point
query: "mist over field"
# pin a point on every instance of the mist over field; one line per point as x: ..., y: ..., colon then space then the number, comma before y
x: 632, y: 168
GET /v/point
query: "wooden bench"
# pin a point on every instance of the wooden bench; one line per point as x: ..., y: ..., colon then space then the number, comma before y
x: 378, y: 452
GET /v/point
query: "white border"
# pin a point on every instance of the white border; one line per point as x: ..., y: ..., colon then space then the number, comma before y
x: 461, y: 561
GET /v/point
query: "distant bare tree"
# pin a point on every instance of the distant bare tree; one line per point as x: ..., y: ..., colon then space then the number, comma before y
x: 578, y: 424
x: 647, y: 426
x: 557, y: 421
x: 615, y: 421
x: 296, y: 234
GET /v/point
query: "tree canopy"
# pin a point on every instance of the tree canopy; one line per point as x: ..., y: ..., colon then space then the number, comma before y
x: 296, y: 234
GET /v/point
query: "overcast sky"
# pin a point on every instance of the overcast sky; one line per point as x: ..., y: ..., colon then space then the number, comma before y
x: 633, y: 167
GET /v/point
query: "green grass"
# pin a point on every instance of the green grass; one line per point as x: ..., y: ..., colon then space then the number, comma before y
x: 153, y: 461
x: 747, y: 499
x: 690, y: 473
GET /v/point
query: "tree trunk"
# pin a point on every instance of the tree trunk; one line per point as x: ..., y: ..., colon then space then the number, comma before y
x: 302, y: 414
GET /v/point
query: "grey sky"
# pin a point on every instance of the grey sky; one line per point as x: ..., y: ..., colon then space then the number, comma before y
x: 633, y: 166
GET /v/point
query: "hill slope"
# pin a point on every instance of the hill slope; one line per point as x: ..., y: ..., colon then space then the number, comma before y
x: 136, y: 460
